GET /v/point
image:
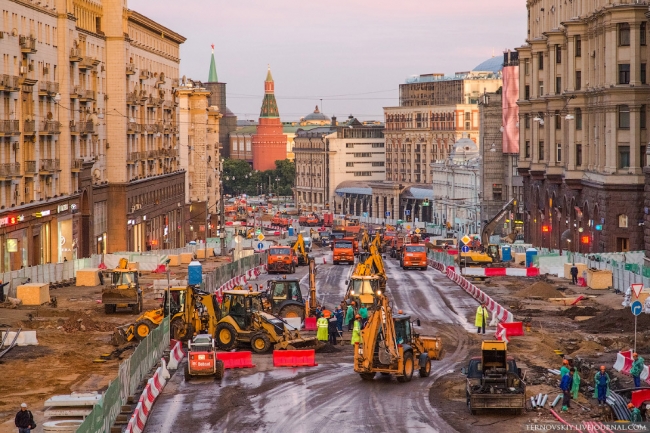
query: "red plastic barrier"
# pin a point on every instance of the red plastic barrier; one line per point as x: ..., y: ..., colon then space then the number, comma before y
x: 532, y: 272
x: 236, y: 359
x: 452, y: 252
x: 172, y: 343
x: 294, y: 358
x: 513, y: 329
x: 310, y: 324
x: 627, y: 366
x: 495, y: 272
x: 640, y: 396
x: 582, y: 282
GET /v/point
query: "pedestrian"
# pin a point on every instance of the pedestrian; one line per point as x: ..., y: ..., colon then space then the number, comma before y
x: 356, y: 331
x: 601, y: 386
x: 574, y: 274
x: 24, y: 420
x: 565, y: 367
x: 481, y: 318
x: 338, y: 313
x: 2, y: 290
x: 332, y: 329
x: 318, y: 312
x: 565, y: 386
x: 575, y: 388
x: 363, y: 312
x: 637, y: 369
x: 322, y: 325
x: 635, y: 413
x: 349, y: 316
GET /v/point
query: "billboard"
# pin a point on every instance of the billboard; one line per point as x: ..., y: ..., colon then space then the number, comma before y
x: 510, y: 110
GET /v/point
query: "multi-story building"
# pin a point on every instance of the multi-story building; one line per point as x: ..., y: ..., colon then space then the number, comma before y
x: 269, y: 144
x: 583, y: 116
x: 312, y: 168
x: 89, y: 119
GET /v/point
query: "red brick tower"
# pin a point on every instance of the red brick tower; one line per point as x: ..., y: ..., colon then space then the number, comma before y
x: 269, y: 143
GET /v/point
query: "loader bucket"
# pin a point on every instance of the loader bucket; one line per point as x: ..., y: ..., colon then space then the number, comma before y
x: 300, y: 343
x: 119, y: 336
x: 433, y: 347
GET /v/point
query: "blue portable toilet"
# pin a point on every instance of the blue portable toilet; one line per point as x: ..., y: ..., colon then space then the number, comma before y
x: 290, y: 231
x: 194, y: 273
x: 530, y: 256
x: 506, y: 253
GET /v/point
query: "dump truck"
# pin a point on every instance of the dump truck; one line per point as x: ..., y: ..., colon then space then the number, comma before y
x: 389, y: 345
x: 202, y: 358
x: 343, y: 251
x: 495, y: 382
x: 414, y: 255
x: 122, y: 289
x: 281, y: 259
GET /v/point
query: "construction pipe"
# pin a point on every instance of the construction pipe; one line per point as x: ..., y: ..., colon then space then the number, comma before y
x: 564, y: 422
x: 557, y: 400
x: 532, y: 401
x: 539, y: 399
x: 544, y: 400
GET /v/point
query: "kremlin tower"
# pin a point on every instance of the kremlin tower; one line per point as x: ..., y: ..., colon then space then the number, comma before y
x: 269, y: 144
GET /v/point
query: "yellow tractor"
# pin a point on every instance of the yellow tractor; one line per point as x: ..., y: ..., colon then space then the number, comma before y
x: 244, y: 321
x: 122, y: 290
x: 390, y: 346
x: 300, y: 250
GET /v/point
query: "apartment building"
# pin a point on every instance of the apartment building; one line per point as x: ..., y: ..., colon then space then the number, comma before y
x: 583, y: 116
x: 88, y: 118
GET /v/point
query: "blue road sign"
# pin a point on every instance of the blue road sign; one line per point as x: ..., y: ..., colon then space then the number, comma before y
x: 465, y: 249
x: 365, y: 214
x: 637, y: 307
x: 387, y: 214
x: 407, y: 212
x: 260, y: 246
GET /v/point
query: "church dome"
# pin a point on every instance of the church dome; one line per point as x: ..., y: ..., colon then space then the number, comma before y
x: 464, y: 150
x: 316, y: 117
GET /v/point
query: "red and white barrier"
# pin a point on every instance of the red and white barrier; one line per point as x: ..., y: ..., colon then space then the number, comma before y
x: 501, y: 272
x: 175, y: 356
x: 153, y: 389
x: 240, y: 280
x: 624, y: 363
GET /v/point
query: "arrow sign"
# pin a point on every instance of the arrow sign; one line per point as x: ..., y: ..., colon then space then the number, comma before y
x: 636, y: 307
x: 465, y: 249
x: 260, y: 246
x: 636, y: 288
x: 387, y: 214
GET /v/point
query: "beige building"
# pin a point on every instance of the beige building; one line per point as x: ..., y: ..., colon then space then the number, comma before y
x: 583, y: 115
x: 88, y: 118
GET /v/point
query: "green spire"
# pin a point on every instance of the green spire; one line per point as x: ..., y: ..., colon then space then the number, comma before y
x: 269, y: 106
x: 212, y: 76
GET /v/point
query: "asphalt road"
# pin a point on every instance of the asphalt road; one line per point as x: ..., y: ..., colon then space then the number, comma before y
x: 330, y: 397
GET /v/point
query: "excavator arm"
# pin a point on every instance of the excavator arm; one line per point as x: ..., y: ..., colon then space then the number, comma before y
x: 299, y: 248
x: 488, y: 229
x: 380, y: 324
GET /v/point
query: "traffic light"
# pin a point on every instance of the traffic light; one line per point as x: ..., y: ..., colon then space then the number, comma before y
x: 545, y: 229
x: 585, y: 239
x: 425, y: 202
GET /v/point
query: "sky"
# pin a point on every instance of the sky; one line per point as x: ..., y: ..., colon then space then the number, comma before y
x: 351, y: 54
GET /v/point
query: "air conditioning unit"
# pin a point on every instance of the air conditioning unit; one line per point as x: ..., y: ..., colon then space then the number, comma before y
x: 23, y: 70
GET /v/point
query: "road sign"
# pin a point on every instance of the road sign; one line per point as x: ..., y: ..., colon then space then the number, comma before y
x: 465, y: 239
x: 636, y: 288
x: 260, y: 237
x: 387, y: 214
x: 260, y: 246
x: 407, y: 212
x: 258, y: 231
x: 408, y: 227
x: 365, y: 214
x: 417, y: 231
x: 637, y: 308
x: 465, y: 249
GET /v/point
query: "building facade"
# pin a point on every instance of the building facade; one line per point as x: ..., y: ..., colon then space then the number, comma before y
x: 89, y: 119
x: 583, y: 116
x: 311, y: 150
x: 269, y: 144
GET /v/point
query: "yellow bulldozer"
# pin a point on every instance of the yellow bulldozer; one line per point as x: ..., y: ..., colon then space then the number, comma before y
x: 123, y: 289
x: 389, y: 345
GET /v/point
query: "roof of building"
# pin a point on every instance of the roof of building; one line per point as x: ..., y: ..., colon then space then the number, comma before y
x: 294, y: 128
x: 229, y: 113
x: 212, y: 75
x: 269, y: 106
x: 316, y: 115
x: 493, y: 64
x: 418, y: 192
x: 353, y: 187
x: 155, y: 27
x: 464, y: 150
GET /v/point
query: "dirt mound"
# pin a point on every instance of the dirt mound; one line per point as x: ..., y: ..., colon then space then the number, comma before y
x: 328, y: 348
x: 540, y: 290
x: 80, y: 322
x: 579, y: 311
x: 611, y: 321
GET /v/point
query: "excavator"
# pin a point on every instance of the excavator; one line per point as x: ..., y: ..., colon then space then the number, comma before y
x: 301, y: 252
x: 123, y: 290
x: 389, y: 345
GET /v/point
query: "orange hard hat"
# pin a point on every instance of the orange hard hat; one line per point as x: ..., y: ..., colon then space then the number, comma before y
x: 630, y: 405
x: 400, y: 312
x: 602, y: 367
x: 358, y: 316
x: 565, y: 362
x: 635, y: 354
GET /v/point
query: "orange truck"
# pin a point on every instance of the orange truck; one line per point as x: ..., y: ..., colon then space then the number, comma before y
x: 343, y: 251
x: 414, y: 255
x: 281, y: 259
x: 279, y: 220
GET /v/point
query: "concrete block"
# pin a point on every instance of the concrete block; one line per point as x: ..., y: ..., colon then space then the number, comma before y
x: 25, y: 338
x: 174, y: 260
x: 520, y: 257
x: 33, y: 293
x: 75, y: 399
x: 600, y: 280
x: 65, y: 411
x: 88, y: 277
x: 63, y: 426
x: 186, y: 258
x: 200, y: 253
x: 567, y: 269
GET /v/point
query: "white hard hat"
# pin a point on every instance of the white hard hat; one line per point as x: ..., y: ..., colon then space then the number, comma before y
x: 23, y: 405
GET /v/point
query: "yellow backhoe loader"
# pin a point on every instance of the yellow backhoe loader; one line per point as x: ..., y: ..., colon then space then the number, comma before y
x: 301, y: 252
x: 389, y: 345
x: 122, y: 289
x: 368, y: 279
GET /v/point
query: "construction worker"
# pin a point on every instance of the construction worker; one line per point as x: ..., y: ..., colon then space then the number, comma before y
x: 635, y: 413
x: 24, y: 420
x: 637, y: 369
x: 322, y: 324
x: 363, y: 312
x: 356, y: 331
x: 349, y: 316
x: 574, y: 274
x: 481, y: 318
x: 565, y: 386
x: 601, y: 386
x: 575, y: 387
x: 565, y: 368
x: 338, y: 313
x: 332, y: 329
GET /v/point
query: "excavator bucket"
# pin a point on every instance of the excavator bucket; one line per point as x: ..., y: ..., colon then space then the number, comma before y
x: 300, y: 343
x: 122, y: 335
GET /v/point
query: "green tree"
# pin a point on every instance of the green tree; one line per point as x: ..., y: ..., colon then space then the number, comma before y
x: 247, y: 181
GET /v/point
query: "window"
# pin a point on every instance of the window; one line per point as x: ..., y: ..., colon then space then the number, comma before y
x: 578, y: 80
x: 363, y: 155
x: 578, y: 119
x: 643, y: 73
x: 349, y: 164
x: 526, y: 66
x: 527, y: 150
x: 376, y: 145
x: 558, y: 85
x: 578, y: 46
x: 540, y: 59
x: 622, y: 221
x: 378, y: 164
x: 643, y: 156
x: 559, y: 152
x: 623, y: 117
x: 578, y: 155
x: 623, y: 35
x: 623, y: 156
x: 642, y: 116
x: 643, y: 32
x: 558, y: 54
x: 363, y: 173
x: 527, y: 92
x: 540, y: 148
x: 558, y: 120
x: 527, y: 121
x: 541, y: 88
x: 497, y: 191
x: 349, y: 145
x: 624, y: 73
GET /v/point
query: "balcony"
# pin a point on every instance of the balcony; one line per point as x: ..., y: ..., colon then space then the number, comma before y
x: 75, y: 128
x: 29, y: 127
x: 9, y: 169
x: 30, y: 168
x: 144, y: 74
x: 88, y: 127
x: 77, y: 165
x: 88, y: 62
x: 52, y: 88
x: 9, y: 83
x: 132, y: 128
x: 9, y: 128
x: 50, y: 127
x: 153, y: 154
x: 130, y: 69
x: 49, y: 166
x: 76, y: 92
x: 87, y: 96
x: 132, y: 99
x: 42, y: 88
x: 27, y: 44
x: 75, y: 55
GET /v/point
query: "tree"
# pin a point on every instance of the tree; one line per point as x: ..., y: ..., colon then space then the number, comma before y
x: 246, y: 180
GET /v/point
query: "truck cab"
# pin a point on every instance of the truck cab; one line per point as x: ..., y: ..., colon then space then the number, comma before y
x: 281, y: 259
x: 414, y: 255
x: 285, y: 298
x: 343, y: 251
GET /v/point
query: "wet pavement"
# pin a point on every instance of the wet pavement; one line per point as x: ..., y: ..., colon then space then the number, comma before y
x: 330, y: 397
